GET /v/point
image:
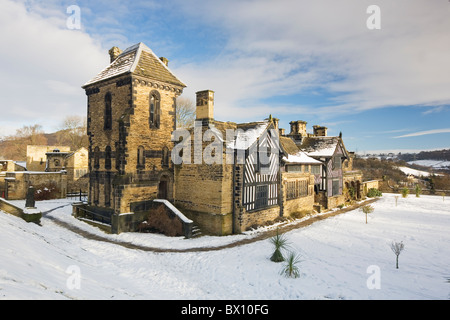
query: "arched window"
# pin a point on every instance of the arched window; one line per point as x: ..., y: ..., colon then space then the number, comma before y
x: 108, y: 112
x: 96, y: 158
x: 108, y: 157
x: 118, y: 162
x: 154, y: 109
x: 140, y: 157
x: 108, y: 189
x: 165, y: 157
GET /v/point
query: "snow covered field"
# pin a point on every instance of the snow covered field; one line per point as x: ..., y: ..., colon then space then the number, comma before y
x: 342, y: 258
x: 431, y: 163
x: 414, y: 172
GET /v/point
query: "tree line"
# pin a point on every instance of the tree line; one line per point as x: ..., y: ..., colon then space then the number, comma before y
x: 71, y: 132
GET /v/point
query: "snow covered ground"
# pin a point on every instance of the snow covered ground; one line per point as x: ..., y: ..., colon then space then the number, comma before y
x: 342, y: 258
x: 414, y: 172
x: 431, y: 163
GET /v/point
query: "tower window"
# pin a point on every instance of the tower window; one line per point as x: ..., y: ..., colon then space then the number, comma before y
x: 97, y: 157
x: 154, y: 110
x: 108, y: 112
x: 108, y: 157
x: 140, y: 157
x: 165, y: 157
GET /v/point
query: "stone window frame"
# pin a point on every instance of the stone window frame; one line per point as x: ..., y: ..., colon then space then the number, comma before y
x: 140, y: 157
x: 107, y: 124
x: 154, y: 109
x: 261, y: 196
x: 165, y: 160
x: 96, y: 157
x: 108, y: 157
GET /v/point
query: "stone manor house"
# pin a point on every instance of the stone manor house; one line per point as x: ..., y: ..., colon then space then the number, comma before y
x: 249, y: 174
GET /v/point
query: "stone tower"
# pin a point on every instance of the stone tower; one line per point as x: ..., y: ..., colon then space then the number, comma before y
x: 131, y: 116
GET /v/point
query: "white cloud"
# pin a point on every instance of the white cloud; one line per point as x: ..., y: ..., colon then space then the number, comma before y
x: 43, y: 65
x: 423, y: 133
x: 285, y: 47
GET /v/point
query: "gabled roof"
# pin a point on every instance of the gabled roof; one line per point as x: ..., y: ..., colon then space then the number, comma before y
x: 293, y: 153
x: 322, y: 146
x: 140, y: 60
x: 300, y: 158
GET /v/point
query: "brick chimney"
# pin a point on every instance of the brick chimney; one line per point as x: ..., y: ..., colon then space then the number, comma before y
x: 114, y: 52
x: 205, y: 105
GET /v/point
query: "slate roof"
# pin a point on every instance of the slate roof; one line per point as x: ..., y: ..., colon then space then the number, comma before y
x: 294, y: 155
x: 321, y: 146
x: 140, y: 60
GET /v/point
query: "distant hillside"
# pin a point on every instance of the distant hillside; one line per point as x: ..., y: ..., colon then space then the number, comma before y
x: 442, y: 155
x: 15, y: 147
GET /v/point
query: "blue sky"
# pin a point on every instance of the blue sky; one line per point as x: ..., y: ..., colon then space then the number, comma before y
x: 386, y: 89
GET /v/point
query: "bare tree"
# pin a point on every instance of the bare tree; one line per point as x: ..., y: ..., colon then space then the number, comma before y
x: 73, y: 133
x: 397, y: 248
x: 14, y: 147
x: 185, y: 112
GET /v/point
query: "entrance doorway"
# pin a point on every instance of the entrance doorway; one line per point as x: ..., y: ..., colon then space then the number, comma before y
x: 163, y: 188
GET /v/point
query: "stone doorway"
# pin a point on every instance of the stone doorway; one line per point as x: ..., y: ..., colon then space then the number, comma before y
x: 163, y: 188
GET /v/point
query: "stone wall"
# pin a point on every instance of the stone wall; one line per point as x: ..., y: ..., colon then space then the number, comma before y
x: 15, y: 184
x: 37, y: 158
x: 27, y: 214
x: 303, y: 203
x: 260, y: 217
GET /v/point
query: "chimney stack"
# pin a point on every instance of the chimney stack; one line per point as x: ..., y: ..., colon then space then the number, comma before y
x: 320, y: 131
x: 114, y: 52
x: 298, y: 128
x: 205, y: 105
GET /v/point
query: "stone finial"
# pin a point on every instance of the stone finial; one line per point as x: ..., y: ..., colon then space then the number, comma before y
x: 165, y: 61
x: 114, y: 52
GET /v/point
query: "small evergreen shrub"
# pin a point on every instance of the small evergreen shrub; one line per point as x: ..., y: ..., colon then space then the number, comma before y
x: 405, y: 192
x: 290, y: 269
x: 374, y: 192
x: 280, y: 242
x: 418, y: 190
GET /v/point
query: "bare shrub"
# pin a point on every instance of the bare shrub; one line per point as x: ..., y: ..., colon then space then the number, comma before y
x: 397, y: 248
x: 159, y: 221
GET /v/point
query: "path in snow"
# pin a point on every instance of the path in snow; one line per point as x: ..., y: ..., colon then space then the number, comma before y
x: 262, y: 235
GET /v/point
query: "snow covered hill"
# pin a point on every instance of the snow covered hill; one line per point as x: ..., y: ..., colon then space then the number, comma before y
x: 414, y: 172
x: 342, y: 258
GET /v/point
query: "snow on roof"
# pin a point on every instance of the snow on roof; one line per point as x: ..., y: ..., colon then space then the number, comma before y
x: 320, y: 146
x: 301, y: 158
x: 246, y: 138
x: 130, y: 59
